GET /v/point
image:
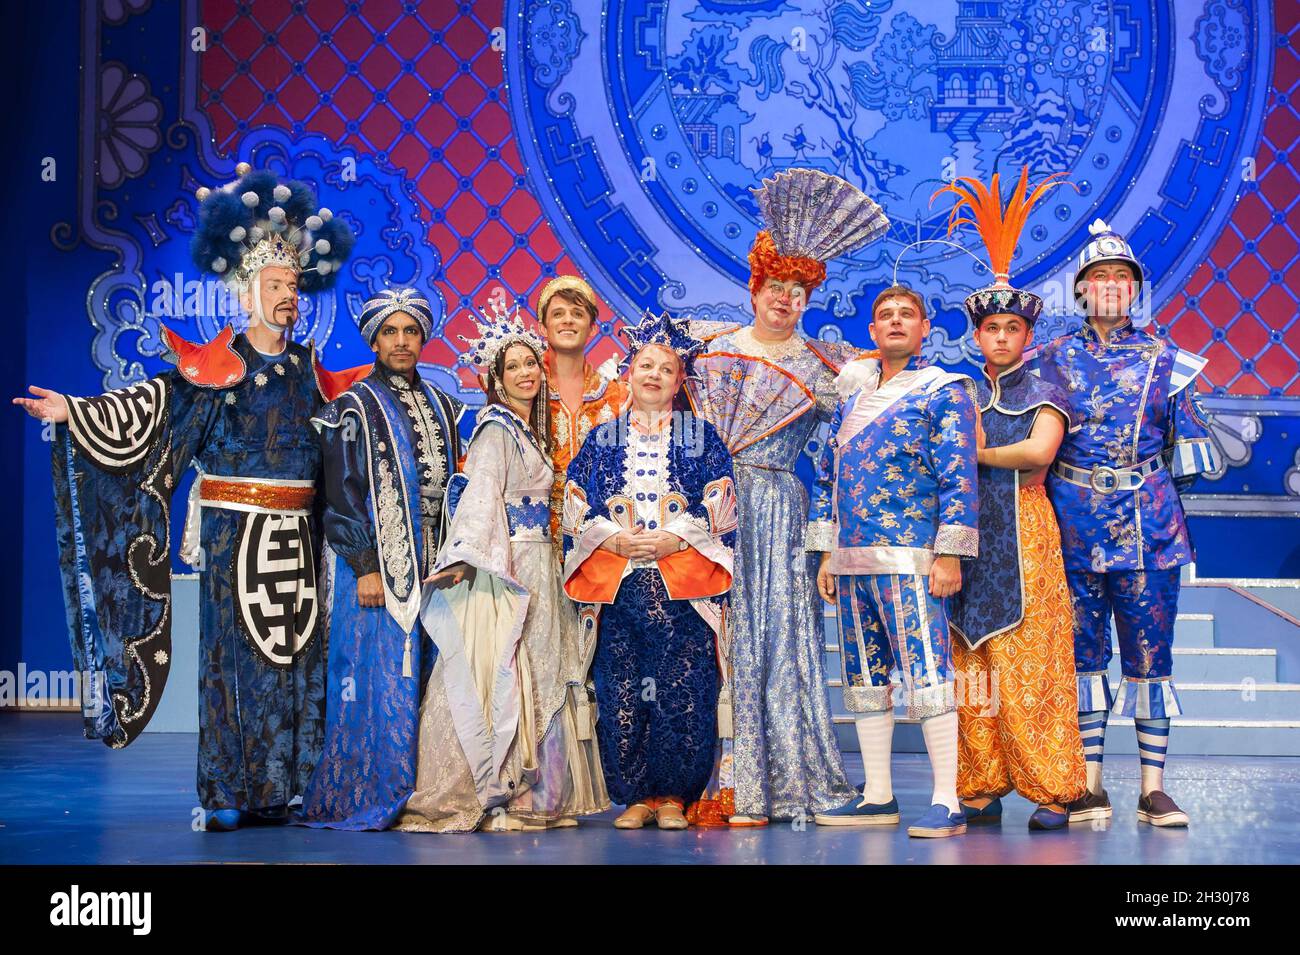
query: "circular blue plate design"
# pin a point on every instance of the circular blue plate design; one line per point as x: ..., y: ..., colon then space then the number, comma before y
x: 644, y: 126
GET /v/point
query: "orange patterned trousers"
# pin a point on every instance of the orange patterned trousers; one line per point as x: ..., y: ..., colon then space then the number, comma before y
x: 1018, y: 725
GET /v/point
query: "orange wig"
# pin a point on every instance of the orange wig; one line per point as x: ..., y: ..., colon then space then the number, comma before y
x: 765, y: 262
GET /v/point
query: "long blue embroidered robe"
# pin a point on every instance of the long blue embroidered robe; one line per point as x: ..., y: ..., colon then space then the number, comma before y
x: 389, y: 447
x: 767, y: 402
x: 657, y: 624
x: 116, y: 463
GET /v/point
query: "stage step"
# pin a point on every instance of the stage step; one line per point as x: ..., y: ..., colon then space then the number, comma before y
x: 1193, y: 630
x: 1242, y: 700
x: 1215, y: 665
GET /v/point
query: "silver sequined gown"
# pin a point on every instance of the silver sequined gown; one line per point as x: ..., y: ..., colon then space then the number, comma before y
x: 786, y: 756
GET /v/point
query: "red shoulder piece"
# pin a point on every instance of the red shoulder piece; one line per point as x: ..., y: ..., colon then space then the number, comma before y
x: 331, y: 384
x: 214, y: 365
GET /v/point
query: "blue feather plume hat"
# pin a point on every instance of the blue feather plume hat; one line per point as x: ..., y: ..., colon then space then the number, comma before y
x: 257, y: 221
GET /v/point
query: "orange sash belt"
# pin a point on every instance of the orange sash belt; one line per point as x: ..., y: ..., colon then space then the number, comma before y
x: 270, y: 497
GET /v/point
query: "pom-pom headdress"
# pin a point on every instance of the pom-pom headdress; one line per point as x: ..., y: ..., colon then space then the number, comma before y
x: 498, y: 330
x: 673, y: 334
x: 258, y: 221
x: 388, y: 302
x: 1000, y: 227
x: 811, y: 218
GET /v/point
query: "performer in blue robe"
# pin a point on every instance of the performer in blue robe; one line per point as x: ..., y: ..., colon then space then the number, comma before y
x: 238, y: 408
x: 650, y: 523
x: 390, y: 444
x: 767, y: 388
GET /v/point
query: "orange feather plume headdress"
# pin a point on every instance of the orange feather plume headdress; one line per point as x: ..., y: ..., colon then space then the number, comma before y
x: 999, y: 227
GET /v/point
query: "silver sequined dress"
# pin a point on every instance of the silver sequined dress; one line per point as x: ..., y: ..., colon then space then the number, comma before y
x: 786, y: 759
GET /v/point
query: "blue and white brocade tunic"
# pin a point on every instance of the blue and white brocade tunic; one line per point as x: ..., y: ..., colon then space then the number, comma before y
x: 896, y: 482
x: 1132, y: 399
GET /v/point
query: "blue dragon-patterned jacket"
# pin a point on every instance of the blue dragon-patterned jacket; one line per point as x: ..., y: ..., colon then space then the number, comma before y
x: 896, y: 481
x: 1132, y: 401
x: 991, y: 600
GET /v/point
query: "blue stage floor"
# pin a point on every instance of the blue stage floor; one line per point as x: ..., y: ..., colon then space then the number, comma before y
x: 65, y: 800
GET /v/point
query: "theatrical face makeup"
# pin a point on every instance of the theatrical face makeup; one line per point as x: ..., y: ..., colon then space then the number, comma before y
x: 522, y: 375
x: 655, y: 377
x: 778, y: 306
x: 398, y: 343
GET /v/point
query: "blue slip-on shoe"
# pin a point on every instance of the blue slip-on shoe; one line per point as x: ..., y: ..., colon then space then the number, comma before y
x: 1047, y: 820
x: 859, y: 812
x: 990, y: 815
x: 937, y: 823
x: 222, y: 820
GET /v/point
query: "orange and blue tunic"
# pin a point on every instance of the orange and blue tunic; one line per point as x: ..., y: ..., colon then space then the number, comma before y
x: 603, y: 399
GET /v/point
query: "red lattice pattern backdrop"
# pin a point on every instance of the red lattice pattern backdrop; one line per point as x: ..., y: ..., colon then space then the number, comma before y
x: 1240, y: 308
x: 414, y: 85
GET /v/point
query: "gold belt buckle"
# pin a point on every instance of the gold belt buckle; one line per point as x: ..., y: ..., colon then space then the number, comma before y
x: 1104, y: 479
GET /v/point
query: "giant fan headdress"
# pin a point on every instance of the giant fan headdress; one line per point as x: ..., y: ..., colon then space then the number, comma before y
x: 811, y: 214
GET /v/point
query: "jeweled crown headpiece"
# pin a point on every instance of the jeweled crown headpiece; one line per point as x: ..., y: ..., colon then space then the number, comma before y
x: 1000, y: 227
x: 671, y: 333
x: 811, y: 218
x: 389, y: 301
x: 257, y: 221
x: 498, y: 330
